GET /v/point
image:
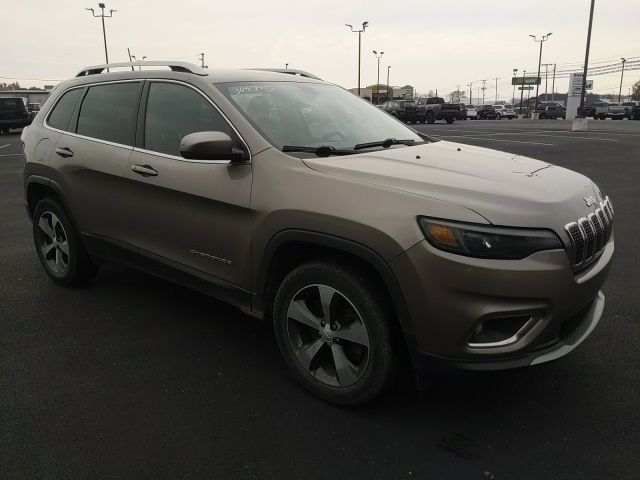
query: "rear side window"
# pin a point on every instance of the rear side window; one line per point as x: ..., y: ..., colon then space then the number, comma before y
x: 11, y: 104
x: 109, y: 112
x: 174, y: 111
x: 61, y: 114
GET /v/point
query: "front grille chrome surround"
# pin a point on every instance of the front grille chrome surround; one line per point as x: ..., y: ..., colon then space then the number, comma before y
x: 590, y: 234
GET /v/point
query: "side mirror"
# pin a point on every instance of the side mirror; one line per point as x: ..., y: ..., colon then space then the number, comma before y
x: 211, y: 146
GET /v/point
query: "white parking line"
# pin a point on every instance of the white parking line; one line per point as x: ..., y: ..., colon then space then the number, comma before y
x: 5, y: 145
x: 494, y: 140
x: 550, y: 133
x: 11, y: 155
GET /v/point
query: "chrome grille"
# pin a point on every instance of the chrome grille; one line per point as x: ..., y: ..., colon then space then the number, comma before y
x: 590, y: 234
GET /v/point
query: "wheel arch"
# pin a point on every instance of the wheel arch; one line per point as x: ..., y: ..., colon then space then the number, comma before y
x: 289, y: 248
x: 38, y: 187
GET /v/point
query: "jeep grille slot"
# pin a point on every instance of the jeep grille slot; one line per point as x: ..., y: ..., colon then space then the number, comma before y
x: 590, y: 234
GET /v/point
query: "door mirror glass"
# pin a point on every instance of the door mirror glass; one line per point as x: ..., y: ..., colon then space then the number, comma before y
x: 210, y: 146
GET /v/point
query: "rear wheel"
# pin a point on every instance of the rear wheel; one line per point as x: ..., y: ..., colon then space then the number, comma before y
x: 450, y: 120
x: 498, y: 116
x: 61, y: 253
x: 430, y: 117
x: 333, y: 330
x: 542, y: 116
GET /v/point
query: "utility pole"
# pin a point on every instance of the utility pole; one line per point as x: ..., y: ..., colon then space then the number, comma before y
x: 470, y: 93
x: 524, y: 74
x: 624, y: 60
x: 378, y: 56
x: 513, y: 98
x: 496, y: 79
x: 546, y: 80
x: 553, y: 84
x: 359, y: 32
x: 388, y: 68
x: 201, y: 58
x: 102, y: 16
x: 541, y: 42
x: 484, y: 87
x: 586, y: 61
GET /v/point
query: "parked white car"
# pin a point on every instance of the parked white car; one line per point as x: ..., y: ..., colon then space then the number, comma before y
x: 472, y: 112
x: 505, y: 111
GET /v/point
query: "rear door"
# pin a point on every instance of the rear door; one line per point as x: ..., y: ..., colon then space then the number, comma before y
x: 92, y: 159
x: 192, y: 215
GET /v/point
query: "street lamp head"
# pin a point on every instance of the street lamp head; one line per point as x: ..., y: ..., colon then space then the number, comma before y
x: 365, y: 24
x: 533, y: 36
x: 549, y: 34
x: 101, y: 5
x: 375, y: 52
x: 381, y: 53
x: 623, y: 59
x: 347, y: 25
x: 90, y: 9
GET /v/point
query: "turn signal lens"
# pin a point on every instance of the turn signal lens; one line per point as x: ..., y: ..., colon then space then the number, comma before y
x: 443, y: 235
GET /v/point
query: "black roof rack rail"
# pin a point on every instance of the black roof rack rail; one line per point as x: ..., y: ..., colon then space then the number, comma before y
x: 290, y: 71
x: 185, y: 67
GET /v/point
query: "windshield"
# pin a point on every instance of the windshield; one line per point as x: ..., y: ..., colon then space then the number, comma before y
x: 313, y: 115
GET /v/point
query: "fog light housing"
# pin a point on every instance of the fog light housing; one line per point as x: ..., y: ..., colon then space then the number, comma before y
x: 503, y: 330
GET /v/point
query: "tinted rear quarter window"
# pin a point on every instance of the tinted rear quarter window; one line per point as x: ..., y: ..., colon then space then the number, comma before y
x: 11, y: 104
x: 109, y: 112
x: 174, y: 111
x: 62, y: 111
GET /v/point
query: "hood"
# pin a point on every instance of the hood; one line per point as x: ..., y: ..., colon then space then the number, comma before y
x: 506, y: 189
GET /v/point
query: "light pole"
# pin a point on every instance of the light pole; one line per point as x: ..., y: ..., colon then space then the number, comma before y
x: 104, y: 34
x: 201, y: 58
x: 553, y: 84
x: 286, y: 66
x: 513, y: 99
x: 138, y: 61
x: 586, y: 62
x: 524, y: 73
x: 388, y: 68
x: 624, y: 60
x: 541, y: 41
x: 546, y: 80
x: 378, y: 56
x: 359, y: 32
x: 470, y: 85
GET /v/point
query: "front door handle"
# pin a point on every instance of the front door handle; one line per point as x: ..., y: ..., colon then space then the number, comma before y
x: 144, y: 170
x: 64, y: 152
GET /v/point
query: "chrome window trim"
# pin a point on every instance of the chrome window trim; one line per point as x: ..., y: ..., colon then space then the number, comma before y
x: 142, y: 150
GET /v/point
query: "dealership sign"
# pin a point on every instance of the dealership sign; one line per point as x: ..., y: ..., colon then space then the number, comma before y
x: 525, y: 81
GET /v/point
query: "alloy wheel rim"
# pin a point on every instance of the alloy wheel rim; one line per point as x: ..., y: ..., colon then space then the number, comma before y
x: 54, y: 243
x: 328, y: 336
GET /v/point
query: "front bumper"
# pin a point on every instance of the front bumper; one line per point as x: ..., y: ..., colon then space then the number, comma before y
x: 448, y: 296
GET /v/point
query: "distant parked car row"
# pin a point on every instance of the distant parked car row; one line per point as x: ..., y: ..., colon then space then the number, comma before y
x: 490, y: 112
x: 615, y: 111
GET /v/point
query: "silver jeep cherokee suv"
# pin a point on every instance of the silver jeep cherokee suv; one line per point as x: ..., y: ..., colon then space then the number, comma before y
x: 358, y: 238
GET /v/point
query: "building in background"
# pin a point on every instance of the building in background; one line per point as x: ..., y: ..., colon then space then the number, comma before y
x: 371, y: 92
x: 33, y: 95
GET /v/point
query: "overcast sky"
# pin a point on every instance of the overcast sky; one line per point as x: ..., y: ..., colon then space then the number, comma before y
x: 428, y: 43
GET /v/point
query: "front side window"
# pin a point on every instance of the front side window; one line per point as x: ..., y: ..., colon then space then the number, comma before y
x: 109, y: 112
x: 313, y: 115
x: 174, y: 111
x: 61, y: 114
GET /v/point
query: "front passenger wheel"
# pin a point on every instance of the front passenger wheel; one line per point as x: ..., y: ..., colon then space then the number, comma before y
x: 59, y: 248
x: 333, y: 329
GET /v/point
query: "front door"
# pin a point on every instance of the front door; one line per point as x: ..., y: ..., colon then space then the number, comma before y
x: 192, y: 215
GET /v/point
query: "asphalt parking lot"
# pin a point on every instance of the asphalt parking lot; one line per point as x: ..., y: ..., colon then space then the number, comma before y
x: 133, y: 377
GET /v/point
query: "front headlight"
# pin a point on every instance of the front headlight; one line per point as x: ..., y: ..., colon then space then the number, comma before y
x: 487, y: 241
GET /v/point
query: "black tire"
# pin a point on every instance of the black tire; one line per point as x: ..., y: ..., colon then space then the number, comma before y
x: 430, y: 117
x: 78, y: 267
x: 542, y: 116
x: 450, y: 120
x: 358, y: 295
x: 498, y: 116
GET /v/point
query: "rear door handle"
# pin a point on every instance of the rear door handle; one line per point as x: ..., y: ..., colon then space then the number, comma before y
x: 64, y: 152
x: 144, y: 170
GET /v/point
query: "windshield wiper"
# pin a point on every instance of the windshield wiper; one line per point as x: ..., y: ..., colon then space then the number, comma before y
x: 384, y: 143
x: 321, y: 151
